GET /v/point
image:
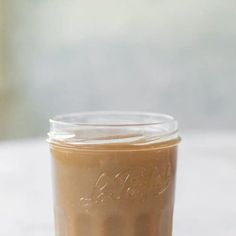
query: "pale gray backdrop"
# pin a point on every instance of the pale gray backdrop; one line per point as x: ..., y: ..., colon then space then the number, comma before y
x: 170, y: 56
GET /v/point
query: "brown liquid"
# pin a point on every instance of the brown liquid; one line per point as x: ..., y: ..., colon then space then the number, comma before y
x: 114, y: 190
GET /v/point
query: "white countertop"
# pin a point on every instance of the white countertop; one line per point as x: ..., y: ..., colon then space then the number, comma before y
x: 205, y: 197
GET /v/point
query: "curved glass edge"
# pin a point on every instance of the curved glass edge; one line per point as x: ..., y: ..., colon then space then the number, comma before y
x: 89, y: 136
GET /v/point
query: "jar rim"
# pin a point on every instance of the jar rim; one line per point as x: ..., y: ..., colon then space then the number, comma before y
x: 112, y: 127
x: 151, y: 119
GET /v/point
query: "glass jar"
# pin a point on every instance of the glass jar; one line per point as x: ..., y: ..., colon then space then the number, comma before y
x: 114, y: 173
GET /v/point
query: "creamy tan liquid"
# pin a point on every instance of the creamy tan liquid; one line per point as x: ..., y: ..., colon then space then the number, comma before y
x: 114, y: 190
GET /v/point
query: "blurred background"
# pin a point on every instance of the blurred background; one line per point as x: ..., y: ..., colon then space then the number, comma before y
x: 170, y: 56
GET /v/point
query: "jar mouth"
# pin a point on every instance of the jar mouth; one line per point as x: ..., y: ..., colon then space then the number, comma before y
x: 113, y: 118
x: 112, y: 127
